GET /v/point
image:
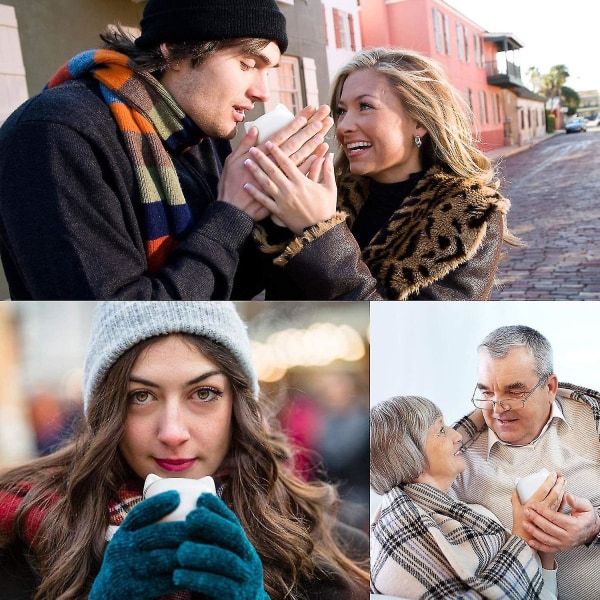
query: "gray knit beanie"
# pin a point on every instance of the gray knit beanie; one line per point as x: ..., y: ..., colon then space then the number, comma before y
x: 118, y: 326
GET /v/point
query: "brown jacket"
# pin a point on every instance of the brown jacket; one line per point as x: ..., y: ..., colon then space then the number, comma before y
x: 442, y: 243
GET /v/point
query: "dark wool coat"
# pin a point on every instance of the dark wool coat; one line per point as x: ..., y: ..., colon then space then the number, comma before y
x: 442, y: 243
x: 70, y: 210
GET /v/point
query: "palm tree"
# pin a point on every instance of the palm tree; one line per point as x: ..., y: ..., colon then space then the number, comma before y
x: 554, y: 81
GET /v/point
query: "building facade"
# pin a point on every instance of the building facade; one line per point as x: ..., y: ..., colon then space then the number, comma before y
x: 482, y: 66
x: 341, y: 28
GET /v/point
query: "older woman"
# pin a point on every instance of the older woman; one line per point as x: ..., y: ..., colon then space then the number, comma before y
x: 425, y: 544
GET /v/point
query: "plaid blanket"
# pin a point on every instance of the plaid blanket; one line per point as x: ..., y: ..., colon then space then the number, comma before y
x: 153, y: 125
x: 426, y: 545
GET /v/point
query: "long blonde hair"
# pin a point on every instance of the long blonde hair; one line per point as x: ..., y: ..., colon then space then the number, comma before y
x: 428, y: 98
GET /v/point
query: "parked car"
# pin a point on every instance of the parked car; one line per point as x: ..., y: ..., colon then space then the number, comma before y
x: 576, y: 124
x: 593, y: 121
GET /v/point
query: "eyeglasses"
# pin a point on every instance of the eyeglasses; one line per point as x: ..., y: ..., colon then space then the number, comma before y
x: 514, y: 400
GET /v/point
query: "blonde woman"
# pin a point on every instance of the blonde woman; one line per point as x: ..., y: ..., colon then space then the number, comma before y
x: 419, y: 199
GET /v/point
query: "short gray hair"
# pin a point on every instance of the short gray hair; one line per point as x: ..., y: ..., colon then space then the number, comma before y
x: 399, y: 428
x: 499, y: 342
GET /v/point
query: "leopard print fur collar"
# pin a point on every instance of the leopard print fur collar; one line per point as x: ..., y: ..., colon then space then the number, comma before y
x: 437, y: 228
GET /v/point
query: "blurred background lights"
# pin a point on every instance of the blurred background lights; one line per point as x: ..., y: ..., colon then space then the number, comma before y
x: 318, y: 345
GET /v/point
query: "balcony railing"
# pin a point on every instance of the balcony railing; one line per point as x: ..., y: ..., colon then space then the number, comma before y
x: 503, y: 73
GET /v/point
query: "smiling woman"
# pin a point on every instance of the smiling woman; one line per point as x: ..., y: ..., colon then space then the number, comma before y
x: 170, y: 389
x: 418, y: 206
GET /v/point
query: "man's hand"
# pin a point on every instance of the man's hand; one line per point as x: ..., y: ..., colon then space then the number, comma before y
x: 550, y: 494
x: 552, y: 531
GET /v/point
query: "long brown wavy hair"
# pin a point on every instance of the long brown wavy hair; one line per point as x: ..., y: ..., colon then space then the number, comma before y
x: 289, y: 521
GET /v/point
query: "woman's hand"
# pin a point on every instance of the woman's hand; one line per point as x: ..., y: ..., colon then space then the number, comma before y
x: 298, y: 200
x: 301, y: 140
x: 218, y: 561
x: 140, y: 559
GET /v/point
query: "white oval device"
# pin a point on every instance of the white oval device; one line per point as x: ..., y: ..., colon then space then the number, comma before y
x: 189, y: 490
x: 270, y: 122
x: 527, y: 486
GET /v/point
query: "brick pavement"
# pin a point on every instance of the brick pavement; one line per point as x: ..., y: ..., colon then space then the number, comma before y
x: 554, y: 189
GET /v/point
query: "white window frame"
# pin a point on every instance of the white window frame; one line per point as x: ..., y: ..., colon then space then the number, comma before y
x: 460, y: 42
x: 437, y: 31
x: 13, y: 82
x: 295, y: 92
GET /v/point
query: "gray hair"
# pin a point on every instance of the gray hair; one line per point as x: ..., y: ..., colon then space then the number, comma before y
x: 399, y: 428
x: 499, y: 342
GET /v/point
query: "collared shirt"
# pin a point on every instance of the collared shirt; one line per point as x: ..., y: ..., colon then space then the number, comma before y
x: 570, y: 444
x: 555, y: 412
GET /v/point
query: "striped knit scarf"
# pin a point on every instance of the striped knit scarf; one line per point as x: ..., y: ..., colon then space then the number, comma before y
x: 152, y: 125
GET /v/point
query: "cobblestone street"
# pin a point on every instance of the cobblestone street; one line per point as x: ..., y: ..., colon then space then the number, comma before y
x: 554, y: 189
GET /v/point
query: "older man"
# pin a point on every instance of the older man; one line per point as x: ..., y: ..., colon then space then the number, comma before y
x: 527, y: 421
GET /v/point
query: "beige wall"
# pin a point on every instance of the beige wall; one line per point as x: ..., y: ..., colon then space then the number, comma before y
x: 52, y: 31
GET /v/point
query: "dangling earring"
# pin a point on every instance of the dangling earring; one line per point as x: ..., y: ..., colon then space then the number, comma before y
x: 418, y: 141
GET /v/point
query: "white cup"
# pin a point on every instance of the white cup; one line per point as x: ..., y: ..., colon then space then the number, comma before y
x: 527, y: 486
x: 189, y: 490
x: 270, y: 122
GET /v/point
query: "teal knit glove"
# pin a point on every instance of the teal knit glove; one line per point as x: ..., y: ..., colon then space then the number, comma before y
x: 219, y: 561
x: 140, y: 559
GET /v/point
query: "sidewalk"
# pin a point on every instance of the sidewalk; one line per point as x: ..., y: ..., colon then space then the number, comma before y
x: 499, y: 153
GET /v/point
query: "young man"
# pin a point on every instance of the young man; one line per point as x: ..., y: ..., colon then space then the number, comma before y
x: 528, y: 421
x: 118, y: 180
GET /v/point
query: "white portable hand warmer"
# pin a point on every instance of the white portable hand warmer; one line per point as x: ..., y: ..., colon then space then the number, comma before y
x: 270, y: 122
x: 189, y: 490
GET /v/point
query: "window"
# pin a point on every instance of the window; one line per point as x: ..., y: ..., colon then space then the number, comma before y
x: 437, y: 30
x: 466, y: 44
x: 13, y: 85
x: 496, y: 99
x: 284, y: 84
x: 476, y: 49
x: 460, y: 41
x: 483, y: 109
x: 344, y: 30
x: 469, y: 98
x: 446, y: 35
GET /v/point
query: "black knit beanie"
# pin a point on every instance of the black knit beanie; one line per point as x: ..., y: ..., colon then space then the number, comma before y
x: 207, y: 20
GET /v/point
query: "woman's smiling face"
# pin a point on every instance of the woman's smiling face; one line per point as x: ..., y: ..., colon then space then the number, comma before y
x: 374, y: 130
x: 444, y: 460
x: 179, y: 421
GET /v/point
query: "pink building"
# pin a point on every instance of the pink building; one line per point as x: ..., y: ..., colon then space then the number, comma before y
x: 479, y: 64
